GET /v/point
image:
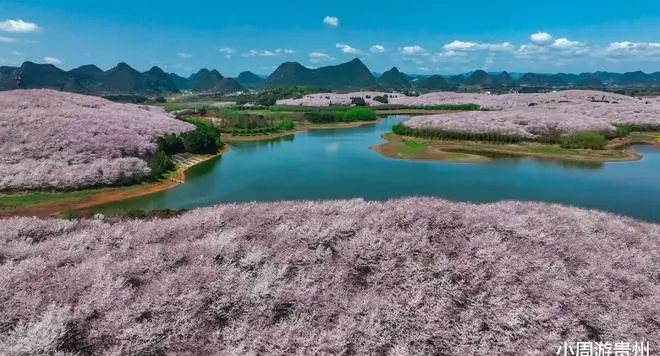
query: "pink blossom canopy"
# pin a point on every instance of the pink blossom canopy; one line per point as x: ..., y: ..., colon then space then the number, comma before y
x: 58, y: 140
x: 416, y: 276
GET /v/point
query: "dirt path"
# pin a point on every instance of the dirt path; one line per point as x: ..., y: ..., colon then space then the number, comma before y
x: 184, y: 162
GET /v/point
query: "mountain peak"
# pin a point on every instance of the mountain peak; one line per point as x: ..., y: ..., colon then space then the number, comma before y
x: 353, y: 74
x: 123, y: 65
x: 156, y: 70
x: 393, y: 79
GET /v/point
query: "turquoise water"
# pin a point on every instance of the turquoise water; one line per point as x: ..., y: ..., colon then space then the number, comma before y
x: 337, y: 164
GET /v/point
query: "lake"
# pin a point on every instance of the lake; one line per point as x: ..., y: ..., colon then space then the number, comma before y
x: 337, y: 164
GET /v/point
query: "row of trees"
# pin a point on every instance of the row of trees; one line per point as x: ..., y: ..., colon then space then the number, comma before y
x: 284, y: 125
x: 350, y: 115
x: 438, y: 134
x: 624, y: 130
x: 589, y: 140
x: 269, y: 97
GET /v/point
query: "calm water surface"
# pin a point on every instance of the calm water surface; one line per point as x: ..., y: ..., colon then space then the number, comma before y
x: 337, y: 164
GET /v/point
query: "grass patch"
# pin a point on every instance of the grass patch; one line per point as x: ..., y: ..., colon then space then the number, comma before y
x: 412, y: 147
x: 10, y: 202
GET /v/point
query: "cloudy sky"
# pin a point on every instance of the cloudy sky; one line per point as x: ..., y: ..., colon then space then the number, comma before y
x: 418, y: 36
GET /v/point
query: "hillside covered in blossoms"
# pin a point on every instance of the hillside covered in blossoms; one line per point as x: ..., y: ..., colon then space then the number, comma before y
x: 58, y: 140
x: 415, y: 276
x: 527, y: 116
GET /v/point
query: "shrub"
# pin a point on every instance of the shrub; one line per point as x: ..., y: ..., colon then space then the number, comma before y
x: 200, y: 141
x: 266, y: 101
x: 623, y: 130
x: 170, y: 144
x: 590, y: 140
x: 359, y: 114
x: 357, y: 101
x: 381, y: 99
x: 159, y: 164
x: 287, y: 124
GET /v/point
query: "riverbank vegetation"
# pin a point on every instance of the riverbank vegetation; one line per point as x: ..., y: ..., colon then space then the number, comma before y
x: 397, y: 146
x: 230, y: 277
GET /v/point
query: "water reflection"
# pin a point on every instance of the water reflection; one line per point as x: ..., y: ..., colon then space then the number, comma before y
x: 572, y: 165
x: 252, y: 147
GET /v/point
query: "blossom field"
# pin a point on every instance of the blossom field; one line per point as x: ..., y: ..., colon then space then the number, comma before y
x: 58, y: 140
x: 525, y: 115
x: 414, y: 276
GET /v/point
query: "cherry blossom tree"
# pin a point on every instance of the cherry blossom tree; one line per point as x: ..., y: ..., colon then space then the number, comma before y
x: 59, y: 140
x: 415, y: 276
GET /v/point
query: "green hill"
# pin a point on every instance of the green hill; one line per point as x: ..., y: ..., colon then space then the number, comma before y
x: 45, y: 76
x: 8, y: 78
x: 504, y: 79
x: 349, y: 75
x: 542, y: 80
x: 393, y: 79
x: 180, y: 82
x: 434, y: 82
x: 481, y: 78
x: 161, y: 81
x: 211, y: 81
x: 250, y: 80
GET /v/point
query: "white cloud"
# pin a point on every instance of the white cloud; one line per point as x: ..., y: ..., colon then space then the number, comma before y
x: 541, y: 38
x: 18, y: 26
x: 284, y: 51
x: 564, y: 43
x: 446, y: 56
x: 53, y: 60
x: 424, y: 69
x: 631, y: 50
x: 346, y: 49
x: 459, y: 46
x: 473, y: 46
x: 316, y: 57
x: 184, y: 55
x: 331, y: 21
x: 377, y: 49
x: 17, y: 53
x: 268, y: 53
x: 227, y: 50
x: 4, y: 39
x: 412, y: 50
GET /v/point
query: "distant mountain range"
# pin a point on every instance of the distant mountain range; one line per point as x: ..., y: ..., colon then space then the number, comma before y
x: 122, y: 79
x: 352, y: 75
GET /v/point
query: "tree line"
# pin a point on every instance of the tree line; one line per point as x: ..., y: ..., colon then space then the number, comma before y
x: 578, y: 140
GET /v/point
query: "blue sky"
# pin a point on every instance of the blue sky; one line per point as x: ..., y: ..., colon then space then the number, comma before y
x: 418, y: 36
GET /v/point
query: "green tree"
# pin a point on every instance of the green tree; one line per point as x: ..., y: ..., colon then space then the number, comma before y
x: 199, y: 141
x: 287, y: 124
x: 160, y: 163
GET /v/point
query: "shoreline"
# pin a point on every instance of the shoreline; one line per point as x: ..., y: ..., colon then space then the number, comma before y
x: 112, y: 194
x: 433, y: 150
x: 301, y: 129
